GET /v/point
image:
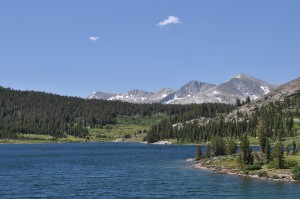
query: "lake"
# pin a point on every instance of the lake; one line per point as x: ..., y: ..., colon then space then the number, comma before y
x: 121, y: 170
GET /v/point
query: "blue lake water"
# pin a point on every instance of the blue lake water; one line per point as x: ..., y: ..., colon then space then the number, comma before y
x: 121, y: 170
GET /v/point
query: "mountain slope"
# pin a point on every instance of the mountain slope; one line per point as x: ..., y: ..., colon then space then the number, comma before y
x: 101, y: 95
x: 279, y: 94
x: 240, y: 87
x: 161, y: 94
x: 186, y: 91
x: 134, y: 96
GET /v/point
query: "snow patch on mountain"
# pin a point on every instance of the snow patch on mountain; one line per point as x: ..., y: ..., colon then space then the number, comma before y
x: 92, y: 95
x: 265, y: 89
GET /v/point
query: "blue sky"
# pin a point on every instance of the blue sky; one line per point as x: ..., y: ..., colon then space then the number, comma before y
x: 74, y: 47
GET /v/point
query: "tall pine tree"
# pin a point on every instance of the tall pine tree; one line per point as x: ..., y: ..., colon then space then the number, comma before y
x: 262, y: 128
x: 278, y: 155
x: 199, y: 152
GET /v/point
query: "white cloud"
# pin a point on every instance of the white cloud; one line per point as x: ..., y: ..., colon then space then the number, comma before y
x: 94, y: 38
x: 168, y: 21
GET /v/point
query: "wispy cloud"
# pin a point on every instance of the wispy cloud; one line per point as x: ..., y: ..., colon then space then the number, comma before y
x: 94, y: 38
x: 168, y: 21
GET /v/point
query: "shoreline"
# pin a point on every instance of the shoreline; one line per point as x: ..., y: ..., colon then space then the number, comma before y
x: 81, y: 140
x: 118, y: 140
x: 281, y: 176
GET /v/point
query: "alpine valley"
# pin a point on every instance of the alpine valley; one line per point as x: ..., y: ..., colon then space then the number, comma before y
x: 241, y: 86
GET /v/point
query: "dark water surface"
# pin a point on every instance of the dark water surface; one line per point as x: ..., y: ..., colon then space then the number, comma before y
x: 121, y: 170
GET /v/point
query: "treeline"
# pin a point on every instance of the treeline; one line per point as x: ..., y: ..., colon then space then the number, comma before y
x: 277, y: 119
x: 249, y: 160
x: 24, y: 112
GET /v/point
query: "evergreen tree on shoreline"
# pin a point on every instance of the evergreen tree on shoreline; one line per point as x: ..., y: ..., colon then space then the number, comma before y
x: 231, y: 147
x: 218, y: 146
x: 278, y: 155
x: 268, y: 151
x: 246, y: 151
x: 294, y: 147
x: 199, y: 152
x: 208, y: 151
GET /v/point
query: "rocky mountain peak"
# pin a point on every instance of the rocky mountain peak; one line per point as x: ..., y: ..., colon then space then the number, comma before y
x: 278, y: 94
x: 243, y: 85
x: 187, y: 90
x: 192, y: 87
x: 139, y: 93
x: 242, y: 75
x: 101, y: 95
x: 159, y: 95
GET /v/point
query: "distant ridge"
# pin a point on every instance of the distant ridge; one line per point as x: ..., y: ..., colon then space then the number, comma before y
x: 101, y: 95
x: 240, y: 86
x: 134, y: 96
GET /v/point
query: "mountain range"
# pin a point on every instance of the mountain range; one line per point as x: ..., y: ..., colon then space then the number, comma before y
x: 240, y: 86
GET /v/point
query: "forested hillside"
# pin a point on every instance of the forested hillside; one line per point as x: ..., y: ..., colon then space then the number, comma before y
x: 276, y: 120
x: 29, y: 112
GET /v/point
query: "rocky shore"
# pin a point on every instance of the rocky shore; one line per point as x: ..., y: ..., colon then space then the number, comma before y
x: 268, y: 174
x: 163, y: 142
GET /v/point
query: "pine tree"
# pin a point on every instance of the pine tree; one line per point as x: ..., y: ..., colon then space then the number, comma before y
x: 218, y: 146
x: 208, y: 151
x: 268, y: 151
x: 290, y: 126
x: 278, y: 155
x: 238, y: 102
x: 246, y: 151
x: 231, y: 147
x: 199, y: 152
x: 262, y: 128
x: 287, y: 151
x: 294, y: 147
x: 248, y: 100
